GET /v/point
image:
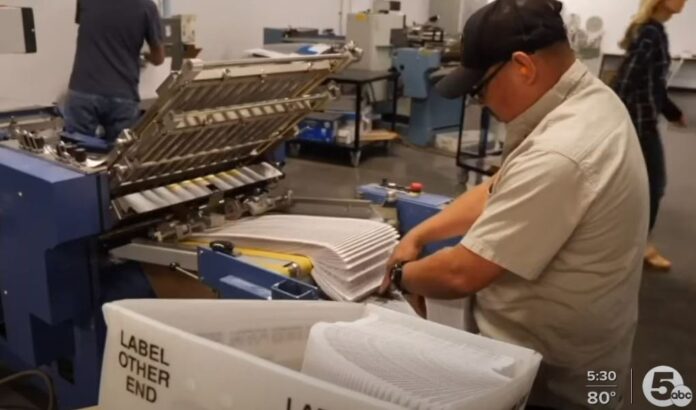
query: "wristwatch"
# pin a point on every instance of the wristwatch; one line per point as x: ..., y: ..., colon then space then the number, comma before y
x: 396, y: 275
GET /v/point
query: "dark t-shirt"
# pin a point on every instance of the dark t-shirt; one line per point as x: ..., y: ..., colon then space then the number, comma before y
x: 109, y: 41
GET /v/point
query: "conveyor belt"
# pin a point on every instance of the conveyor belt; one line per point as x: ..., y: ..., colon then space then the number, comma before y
x: 274, y: 261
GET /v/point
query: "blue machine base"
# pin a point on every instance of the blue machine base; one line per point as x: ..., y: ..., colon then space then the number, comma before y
x: 412, y: 210
x: 235, y: 279
x: 76, y: 378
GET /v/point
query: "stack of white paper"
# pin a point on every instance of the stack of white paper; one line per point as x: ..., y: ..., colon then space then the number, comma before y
x: 349, y: 255
x: 404, y: 365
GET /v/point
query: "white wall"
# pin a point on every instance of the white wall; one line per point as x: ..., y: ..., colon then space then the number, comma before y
x: 617, y: 14
x: 416, y: 10
x: 40, y: 78
x: 225, y: 29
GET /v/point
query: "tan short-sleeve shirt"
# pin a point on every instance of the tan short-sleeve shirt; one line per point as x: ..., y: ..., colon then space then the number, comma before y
x: 568, y: 219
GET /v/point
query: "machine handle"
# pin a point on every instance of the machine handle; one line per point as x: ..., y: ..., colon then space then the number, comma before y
x: 177, y: 268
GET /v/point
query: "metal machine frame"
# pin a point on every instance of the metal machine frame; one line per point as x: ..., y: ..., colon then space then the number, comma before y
x: 193, y: 160
x: 75, y: 228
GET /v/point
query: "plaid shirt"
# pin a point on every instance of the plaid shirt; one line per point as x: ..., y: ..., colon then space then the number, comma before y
x: 642, y: 80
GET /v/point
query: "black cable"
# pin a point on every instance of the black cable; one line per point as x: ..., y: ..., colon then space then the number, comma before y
x: 28, y: 373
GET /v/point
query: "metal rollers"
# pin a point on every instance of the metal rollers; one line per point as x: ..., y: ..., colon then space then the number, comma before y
x: 173, y: 194
x: 219, y: 113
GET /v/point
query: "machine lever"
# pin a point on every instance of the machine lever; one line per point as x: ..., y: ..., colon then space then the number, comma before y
x: 177, y: 268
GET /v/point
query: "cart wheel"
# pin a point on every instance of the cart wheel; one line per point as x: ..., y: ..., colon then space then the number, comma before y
x: 355, y: 158
x: 294, y: 149
x: 463, y: 176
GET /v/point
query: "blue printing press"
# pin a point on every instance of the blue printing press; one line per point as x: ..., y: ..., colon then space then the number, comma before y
x: 420, y: 69
x: 77, y: 227
x: 430, y: 114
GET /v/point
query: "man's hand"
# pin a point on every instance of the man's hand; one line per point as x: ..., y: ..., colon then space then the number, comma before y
x: 406, y: 251
x: 156, y: 55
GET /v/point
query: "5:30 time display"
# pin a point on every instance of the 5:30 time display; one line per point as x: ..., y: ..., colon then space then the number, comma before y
x: 601, y: 376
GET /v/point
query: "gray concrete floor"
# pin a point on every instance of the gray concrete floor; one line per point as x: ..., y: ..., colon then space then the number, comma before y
x: 667, y: 326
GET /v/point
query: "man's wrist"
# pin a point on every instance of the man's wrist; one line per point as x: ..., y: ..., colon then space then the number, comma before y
x: 397, y: 272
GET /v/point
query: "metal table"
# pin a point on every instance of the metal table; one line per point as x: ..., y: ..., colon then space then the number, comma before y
x: 360, y: 79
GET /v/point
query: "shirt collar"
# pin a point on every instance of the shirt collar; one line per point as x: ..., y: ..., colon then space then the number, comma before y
x: 657, y: 24
x: 519, y: 128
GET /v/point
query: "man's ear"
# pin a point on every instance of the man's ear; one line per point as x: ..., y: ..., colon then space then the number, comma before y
x: 524, y: 64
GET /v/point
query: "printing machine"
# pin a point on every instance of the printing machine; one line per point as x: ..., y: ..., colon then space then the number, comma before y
x: 79, y: 229
x: 423, y: 54
x: 421, y: 67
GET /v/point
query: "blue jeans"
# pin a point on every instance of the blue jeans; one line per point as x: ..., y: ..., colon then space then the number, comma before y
x: 84, y: 113
x: 654, y: 155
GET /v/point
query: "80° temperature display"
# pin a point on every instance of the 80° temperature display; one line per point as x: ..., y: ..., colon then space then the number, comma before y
x: 602, y: 387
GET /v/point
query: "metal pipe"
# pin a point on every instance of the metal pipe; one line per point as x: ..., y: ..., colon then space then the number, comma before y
x: 166, y: 8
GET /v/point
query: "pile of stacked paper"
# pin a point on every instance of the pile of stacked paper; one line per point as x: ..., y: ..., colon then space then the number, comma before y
x: 349, y: 255
x: 407, y: 366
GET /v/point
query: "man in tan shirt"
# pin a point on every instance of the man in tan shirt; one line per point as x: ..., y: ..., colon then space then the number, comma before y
x: 553, y: 243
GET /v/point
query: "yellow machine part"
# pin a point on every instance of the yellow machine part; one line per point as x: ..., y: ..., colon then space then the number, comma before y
x: 274, y: 261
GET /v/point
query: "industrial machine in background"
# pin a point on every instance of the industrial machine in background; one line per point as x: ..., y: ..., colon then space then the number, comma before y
x: 420, y: 54
x: 372, y: 32
x: 180, y: 39
x: 299, y: 35
x: 430, y: 114
x: 424, y: 54
x: 81, y: 229
x: 429, y: 34
x: 369, y: 86
x: 454, y: 13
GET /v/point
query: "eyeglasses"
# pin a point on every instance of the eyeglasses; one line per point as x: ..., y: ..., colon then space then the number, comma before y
x: 479, y: 89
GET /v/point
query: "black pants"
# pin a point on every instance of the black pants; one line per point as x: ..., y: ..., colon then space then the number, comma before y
x: 657, y: 173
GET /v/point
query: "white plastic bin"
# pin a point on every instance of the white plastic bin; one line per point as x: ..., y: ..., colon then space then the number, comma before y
x: 203, y: 354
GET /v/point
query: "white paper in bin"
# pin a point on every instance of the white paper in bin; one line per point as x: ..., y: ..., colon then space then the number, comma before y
x: 454, y: 313
x: 167, y: 354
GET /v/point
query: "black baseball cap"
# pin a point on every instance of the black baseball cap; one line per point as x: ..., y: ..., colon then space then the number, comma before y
x: 495, y: 32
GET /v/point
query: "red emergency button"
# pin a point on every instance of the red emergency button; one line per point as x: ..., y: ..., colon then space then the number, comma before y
x: 416, y: 187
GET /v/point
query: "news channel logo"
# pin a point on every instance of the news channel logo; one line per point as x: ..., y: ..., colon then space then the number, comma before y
x: 663, y: 386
